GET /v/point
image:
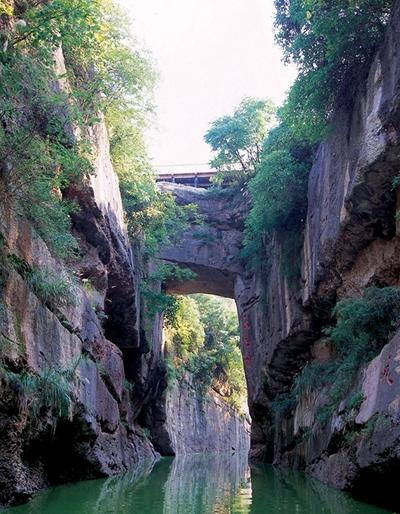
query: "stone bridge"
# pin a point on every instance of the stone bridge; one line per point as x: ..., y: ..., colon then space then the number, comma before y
x: 272, y: 328
x: 210, y: 249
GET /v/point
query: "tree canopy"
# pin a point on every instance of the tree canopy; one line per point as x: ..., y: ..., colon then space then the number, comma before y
x: 332, y: 43
x: 204, y: 341
x: 238, y: 139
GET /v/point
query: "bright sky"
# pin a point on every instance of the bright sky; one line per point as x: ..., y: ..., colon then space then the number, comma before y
x: 209, y: 54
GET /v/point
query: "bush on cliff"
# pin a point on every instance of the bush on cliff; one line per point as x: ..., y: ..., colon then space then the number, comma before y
x: 333, y: 52
x: 37, y: 158
x: 40, y: 148
x: 362, y: 329
x: 278, y: 192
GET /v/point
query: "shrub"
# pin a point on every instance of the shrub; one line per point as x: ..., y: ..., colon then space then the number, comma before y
x: 185, y: 335
x: 52, y: 389
x: 278, y: 193
x: 363, y: 327
x: 52, y: 287
x: 329, y: 44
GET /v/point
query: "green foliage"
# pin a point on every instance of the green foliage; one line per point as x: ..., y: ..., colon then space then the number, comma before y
x: 186, y: 335
x: 174, y: 372
x: 52, y: 389
x: 355, y: 401
x: 365, y: 323
x: 284, y: 404
x: 332, y: 49
x: 110, y: 78
x: 52, y: 287
x: 6, y: 8
x: 152, y: 287
x: 37, y: 148
x: 279, y: 194
x: 17, y: 263
x: 238, y: 139
x: 362, y: 329
x: 129, y: 385
x: 205, y: 342
x: 108, y: 74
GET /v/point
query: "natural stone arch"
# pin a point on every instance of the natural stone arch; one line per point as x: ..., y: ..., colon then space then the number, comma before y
x: 274, y: 331
x: 211, y: 250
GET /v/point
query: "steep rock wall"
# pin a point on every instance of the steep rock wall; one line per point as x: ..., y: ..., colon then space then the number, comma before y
x: 274, y: 329
x: 351, y: 242
x: 102, y: 437
x: 187, y: 420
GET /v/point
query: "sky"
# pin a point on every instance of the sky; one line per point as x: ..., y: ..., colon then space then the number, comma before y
x: 209, y: 55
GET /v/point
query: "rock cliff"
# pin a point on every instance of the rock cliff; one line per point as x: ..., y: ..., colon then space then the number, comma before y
x: 101, y: 438
x: 350, y: 242
x: 100, y: 338
x: 185, y: 419
x: 93, y: 334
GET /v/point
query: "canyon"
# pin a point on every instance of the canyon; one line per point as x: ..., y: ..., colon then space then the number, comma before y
x: 124, y: 411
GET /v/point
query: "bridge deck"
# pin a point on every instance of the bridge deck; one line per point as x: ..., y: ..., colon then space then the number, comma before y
x: 195, y: 179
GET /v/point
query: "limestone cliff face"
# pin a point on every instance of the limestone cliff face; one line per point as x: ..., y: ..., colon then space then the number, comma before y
x: 187, y: 420
x: 102, y: 334
x: 101, y: 438
x: 350, y: 242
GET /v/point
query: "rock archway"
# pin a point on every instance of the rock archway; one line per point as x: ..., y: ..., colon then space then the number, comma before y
x: 210, y: 249
x: 274, y: 329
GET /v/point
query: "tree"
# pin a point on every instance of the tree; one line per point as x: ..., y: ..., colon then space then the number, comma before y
x: 238, y: 139
x: 278, y: 192
x: 329, y: 42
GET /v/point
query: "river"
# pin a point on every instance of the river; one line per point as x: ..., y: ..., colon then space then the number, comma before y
x: 210, y: 484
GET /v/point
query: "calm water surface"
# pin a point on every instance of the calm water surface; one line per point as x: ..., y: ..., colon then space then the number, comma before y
x: 212, y: 484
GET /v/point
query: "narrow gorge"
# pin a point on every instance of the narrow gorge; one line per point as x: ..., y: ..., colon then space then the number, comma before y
x: 91, y: 384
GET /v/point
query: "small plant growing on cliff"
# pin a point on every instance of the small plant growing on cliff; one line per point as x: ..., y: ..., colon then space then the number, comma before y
x: 129, y: 385
x: 50, y: 390
x: 363, y: 327
x: 157, y: 300
x: 364, y: 324
x: 53, y: 288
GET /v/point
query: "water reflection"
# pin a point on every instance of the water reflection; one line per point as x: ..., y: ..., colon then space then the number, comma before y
x: 209, y: 484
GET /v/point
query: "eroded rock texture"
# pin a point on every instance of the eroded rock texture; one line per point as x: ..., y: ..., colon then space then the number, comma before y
x: 186, y: 420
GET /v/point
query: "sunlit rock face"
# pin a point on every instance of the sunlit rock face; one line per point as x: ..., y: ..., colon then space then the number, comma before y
x: 186, y: 420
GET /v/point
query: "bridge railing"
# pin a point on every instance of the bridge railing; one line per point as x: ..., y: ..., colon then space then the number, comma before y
x: 201, y: 179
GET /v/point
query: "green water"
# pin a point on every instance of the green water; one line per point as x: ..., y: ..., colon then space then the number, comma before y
x: 212, y: 484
